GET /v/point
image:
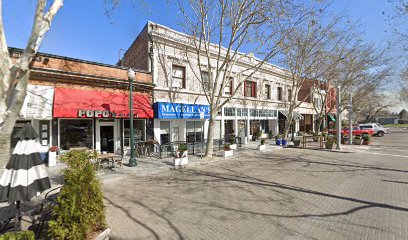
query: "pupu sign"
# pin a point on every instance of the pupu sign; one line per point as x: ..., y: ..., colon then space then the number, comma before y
x: 181, y: 111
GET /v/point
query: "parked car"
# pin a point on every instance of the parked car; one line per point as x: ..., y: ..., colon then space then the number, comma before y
x: 379, y: 130
x: 356, y: 131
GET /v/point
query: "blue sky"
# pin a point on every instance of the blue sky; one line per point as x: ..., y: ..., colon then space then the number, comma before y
x: 82, y: 30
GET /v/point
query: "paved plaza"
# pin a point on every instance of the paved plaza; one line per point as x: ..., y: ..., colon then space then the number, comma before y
x: 282, y: 194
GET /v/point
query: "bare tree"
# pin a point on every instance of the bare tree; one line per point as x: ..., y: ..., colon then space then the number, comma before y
x: 303, y: 56
x: 219, y: 29
x: 15, y: 75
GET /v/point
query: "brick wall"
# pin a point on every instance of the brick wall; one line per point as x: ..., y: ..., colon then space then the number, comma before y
x: 137, y: 56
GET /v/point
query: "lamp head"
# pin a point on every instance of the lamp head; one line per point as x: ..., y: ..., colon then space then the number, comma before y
x: 131, y: 74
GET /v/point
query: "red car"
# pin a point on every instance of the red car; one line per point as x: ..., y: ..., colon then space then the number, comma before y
x: 356, y: 131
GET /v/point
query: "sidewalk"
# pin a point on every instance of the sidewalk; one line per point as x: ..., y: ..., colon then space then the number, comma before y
x: 153, y: 165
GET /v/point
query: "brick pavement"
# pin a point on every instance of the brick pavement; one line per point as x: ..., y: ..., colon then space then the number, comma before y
x: 288, y: 194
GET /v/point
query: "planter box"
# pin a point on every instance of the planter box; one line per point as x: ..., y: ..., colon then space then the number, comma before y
x: 265, y: 135
x: 284, y: 142
x: 180, y: 161
x: 52, y: 159
x: 357, y: 141
x: 103, y: 235
x: 296, y: 143
x: 278, y: 142
x: 228, y: 153
x: 233, y: 146
x: 329, y: 146
x: 261, y: 147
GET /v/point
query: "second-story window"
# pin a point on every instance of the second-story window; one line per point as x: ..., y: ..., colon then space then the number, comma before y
x: 268, y: 91
x: 205, y: 76
x: 229, y: 88
x: 249, y: 89
x: 280, y: 93
x: 179, y: 75
x: 289, y: 94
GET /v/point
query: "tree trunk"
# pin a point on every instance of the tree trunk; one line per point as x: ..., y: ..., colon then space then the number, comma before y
x: 4, y: 150
x: 288, y: 122
x: 210, y: 136
x: 319, y: 123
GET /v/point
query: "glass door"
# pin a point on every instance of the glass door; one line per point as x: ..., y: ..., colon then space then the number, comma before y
x: 107, y: 139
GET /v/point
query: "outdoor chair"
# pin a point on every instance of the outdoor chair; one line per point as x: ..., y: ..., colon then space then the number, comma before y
x: 118, y: 159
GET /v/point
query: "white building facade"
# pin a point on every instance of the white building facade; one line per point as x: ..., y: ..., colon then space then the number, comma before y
x: 181, y: 109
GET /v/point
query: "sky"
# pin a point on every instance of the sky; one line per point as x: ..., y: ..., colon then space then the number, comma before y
x: 82, y: 29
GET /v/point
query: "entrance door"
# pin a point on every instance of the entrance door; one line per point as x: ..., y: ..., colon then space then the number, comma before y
x: 107, y: 139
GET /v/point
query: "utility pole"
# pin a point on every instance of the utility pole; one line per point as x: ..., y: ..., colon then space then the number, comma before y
x: 338, y: 125
x: 350, y: 108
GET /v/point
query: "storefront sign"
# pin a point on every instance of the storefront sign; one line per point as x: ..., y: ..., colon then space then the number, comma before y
x: 101, y: 114
x: 181, y: 110
x: 38, y: 102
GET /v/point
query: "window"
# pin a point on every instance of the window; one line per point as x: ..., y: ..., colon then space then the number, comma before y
x: 194, y: 131
x: 280, y: 93
x: 317, y: 103
x: 289, y: 94
x: 229, y: 111
x: 268, y: 91
x: 179, y: 75
x: 205, y: 76
x: 229, y: 88
x: 138, y: 131
x: 76, y: 133
x: 164, y: 132
x: 249, y: 89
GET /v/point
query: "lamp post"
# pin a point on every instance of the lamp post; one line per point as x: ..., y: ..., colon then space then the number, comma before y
x: 132, y: 161
x: 350, y: 108
x: 338, y: 128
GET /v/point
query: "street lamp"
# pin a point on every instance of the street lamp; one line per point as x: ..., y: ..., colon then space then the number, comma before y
x: 338, y: 127
x: 132, y: 161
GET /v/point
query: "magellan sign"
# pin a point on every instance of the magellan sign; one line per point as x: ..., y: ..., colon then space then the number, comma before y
x: 181, y: 110
x: 101, y: 114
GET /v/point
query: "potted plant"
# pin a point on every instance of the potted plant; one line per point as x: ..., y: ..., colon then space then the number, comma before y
x: 181, y: 156
x: 270, y: 134
x: 228, y: 152
x: 366, y: 139
x: 80, y: 211
x: 296, y: 142
x: 262, y: 146
x: 330, y: 142
x: 278, y: 139
x: 316, y: 137
x: 258, y: 134
x: 233, y: 145
x: 284, y: 142
x: 357, y: 140
x: 52, y: 156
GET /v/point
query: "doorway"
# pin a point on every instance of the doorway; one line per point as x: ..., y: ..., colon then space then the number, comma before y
x: 107, y: 139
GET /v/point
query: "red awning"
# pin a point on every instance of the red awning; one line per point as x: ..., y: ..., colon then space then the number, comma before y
x: 78, y: 103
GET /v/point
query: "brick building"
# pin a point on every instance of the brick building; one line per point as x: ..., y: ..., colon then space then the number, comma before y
x: 74, y: 103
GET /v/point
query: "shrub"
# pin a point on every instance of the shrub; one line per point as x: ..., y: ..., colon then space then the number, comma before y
x: 80, y: 209
x: 22, y: 235
x: 259, y: 134
x: 182, y: 147
x: 262, y: 142
x: 278, y: 136
x: 366, y: 137
x: 227, y: 147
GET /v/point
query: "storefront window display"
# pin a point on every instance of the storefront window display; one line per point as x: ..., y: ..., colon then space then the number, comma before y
x: 194, y: 131
x: 139, y: 132
x: 164, y: 132
x: 76, y: 133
